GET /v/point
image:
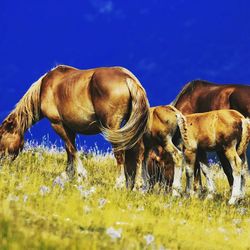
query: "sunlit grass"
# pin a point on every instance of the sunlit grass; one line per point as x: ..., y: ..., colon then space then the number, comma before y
x: 34, y: 214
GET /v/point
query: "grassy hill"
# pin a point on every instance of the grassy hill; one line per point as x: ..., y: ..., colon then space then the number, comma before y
x: 35, y: 214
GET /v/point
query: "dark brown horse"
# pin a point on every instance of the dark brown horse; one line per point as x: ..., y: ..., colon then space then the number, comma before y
x: 86, y: 102
x: 201, y: 96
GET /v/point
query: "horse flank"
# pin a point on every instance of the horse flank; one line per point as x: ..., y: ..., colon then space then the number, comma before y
x: 27, y: 110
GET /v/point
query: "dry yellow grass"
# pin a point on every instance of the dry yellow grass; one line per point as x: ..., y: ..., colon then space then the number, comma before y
x: 34, y: 214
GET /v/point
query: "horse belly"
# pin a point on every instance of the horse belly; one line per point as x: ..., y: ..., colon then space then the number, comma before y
x: 81, y: 121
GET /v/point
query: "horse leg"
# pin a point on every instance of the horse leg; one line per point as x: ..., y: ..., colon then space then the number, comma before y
x: 133, y: 166
x: 237, y: 168
x: 190, y: 157
x: 243, y: 172
x: 226, y: 167
x: 208, y: 174
x: 197, y: 173
x: 120, y: 159
x: 74, y: 160
x: 148, y: 180
x: 178, y: 162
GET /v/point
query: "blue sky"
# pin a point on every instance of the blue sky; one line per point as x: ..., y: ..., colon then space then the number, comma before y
x: 165, y: 43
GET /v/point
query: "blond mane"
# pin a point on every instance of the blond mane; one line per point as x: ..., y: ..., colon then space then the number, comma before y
x: 27, y: 110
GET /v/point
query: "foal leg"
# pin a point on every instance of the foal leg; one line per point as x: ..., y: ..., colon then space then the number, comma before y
x: 178, y: 161
x: 74, y: 160
x: 200, y: 157
x: 243, y: 173
x: 207, y: 172
x: 236, y: 164
x: 190, y: 157
x: 226, y: 167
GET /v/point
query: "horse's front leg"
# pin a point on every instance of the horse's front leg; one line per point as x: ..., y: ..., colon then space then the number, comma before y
x: 177, y: 157
x: 238, y: 172
x: 74, y: 162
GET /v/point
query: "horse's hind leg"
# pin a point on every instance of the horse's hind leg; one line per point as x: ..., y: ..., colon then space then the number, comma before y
x: 209, y: 177
x: 120, y: 160
x: 236, y: 164
x: 197, y: 172
x: 226, y: 167
x: 73, y: 159
x: 243, y: 173
x: 133, y: 166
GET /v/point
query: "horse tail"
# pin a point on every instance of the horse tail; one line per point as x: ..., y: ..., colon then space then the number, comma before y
x: 182, y: 124
x: 127, y: 136
x: 244, y: 136
x: 27, y: 110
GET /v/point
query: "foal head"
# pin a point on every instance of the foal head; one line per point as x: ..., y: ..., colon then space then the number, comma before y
x: 11, y: 140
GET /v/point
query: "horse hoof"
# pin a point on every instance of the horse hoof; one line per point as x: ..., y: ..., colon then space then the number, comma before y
x: 82, y: 173
x: 235, y: 200
x: 232, y: 201
x: 176, y: 194
x: 209, y: 197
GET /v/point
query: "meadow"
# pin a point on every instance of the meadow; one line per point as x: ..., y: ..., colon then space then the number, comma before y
x: 37, y: 213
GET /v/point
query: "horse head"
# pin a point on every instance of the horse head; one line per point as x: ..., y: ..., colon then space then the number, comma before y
x: 11, y: 140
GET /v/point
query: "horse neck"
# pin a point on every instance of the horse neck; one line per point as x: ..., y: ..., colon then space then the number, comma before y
x: 27, y: 110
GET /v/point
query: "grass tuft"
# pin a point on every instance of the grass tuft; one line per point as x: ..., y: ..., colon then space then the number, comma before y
x: 34, y: 214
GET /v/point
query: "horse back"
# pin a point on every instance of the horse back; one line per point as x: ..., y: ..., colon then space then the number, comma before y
x: 215, y: 128
x: 202, y: 96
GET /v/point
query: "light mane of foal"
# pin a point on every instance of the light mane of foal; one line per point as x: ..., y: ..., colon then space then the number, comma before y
x: 224, y: 130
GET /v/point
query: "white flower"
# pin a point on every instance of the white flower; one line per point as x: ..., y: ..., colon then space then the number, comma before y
x: 12, y: 197
x: 167, y: 205
x: 183, y: 222
x: 113, y: 233
x: 25, y: 198
x: 222, y: 229
x: 236, y: 221
x: 60, y: 181
x: 86, y: 193
x: 87, y: 209
x: 19, y: 186
x: 121, y: 223
x: 149, y: 238
x: 44, y: 190
x: 102, y: 202
x: 140, y: 209
x: 242, y: 210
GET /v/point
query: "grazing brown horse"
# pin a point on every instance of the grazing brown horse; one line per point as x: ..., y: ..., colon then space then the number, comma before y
x: 201, y: 96
x: 162, y: 127
x: 86, y: 102
x: 224, y: 130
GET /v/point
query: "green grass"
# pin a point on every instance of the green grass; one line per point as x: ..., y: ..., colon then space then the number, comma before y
x: 34, y: 214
